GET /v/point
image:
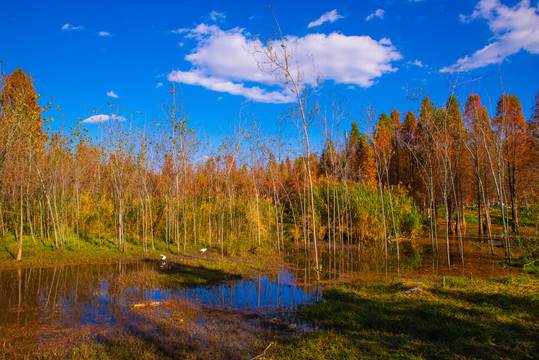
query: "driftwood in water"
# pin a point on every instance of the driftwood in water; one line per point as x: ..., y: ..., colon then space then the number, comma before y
x: 143, y: 305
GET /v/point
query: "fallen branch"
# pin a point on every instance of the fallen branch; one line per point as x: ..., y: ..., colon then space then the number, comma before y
x: 528, y: 264
x: 264, y: 353
x: 412, y: 290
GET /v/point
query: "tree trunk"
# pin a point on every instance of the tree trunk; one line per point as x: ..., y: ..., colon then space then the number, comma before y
x: 19, y: 253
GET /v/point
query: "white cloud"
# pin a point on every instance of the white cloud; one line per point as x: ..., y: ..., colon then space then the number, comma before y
x: 158, y: 85
x: 416, y: 63
x: 101, y: 118
x: 463, y: 18
x: 211, y: 83
x: 112, y: 94
x: 225, y: 61
x: 67, y: 27
x: 104, y: 33
x: 515, y: 28
x: 217, y: 16
x: 330, y: 16
x: 379, y: 13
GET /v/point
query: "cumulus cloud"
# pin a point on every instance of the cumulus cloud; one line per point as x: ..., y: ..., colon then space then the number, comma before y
x: 379, y: 13
x: 67, y: 27
x: 112, y: 94
x: 226, y: 61
x: 330, y: 16
x: 514, y: 29
x: 217, y: 16
x: 101, y: 118
x: 103, y: 33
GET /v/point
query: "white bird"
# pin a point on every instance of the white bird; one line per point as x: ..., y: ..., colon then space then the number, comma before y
x: 203, y: 250
x: 163, y: 257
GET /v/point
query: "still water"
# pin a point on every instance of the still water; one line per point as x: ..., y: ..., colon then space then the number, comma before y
x: 62, y: 297
x: 65, y: 296
x: 341, y: 263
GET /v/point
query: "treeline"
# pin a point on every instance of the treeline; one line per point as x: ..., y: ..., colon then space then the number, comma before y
x: 456, y: 157
x: 163, y: 188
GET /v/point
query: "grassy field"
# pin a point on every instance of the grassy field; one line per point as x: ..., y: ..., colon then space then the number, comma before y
x: 208, y: 263
x: 464, y: 320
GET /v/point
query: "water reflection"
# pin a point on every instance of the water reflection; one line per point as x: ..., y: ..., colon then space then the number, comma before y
x: 65, y: 296
x: 258, y: 292
x: 417, y: 258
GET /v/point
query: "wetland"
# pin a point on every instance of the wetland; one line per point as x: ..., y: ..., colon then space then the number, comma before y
x: 203, y: 306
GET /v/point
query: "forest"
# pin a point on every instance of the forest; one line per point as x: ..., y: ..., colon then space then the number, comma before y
x: 92, y: 215
x: 162, y: 187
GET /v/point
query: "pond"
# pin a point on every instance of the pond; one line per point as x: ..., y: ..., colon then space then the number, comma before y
x: 39, y: 303
x: 66, y: 296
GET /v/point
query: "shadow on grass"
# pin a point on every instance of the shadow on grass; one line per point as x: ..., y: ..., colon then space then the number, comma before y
x: 177, y: 274
x: 508, y: 304
x: 180, y: 332
x: 9, y: 252
x: 379, y: 322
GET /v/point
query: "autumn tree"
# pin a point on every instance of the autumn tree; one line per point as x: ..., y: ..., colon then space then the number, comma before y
x: 360, y: 156
x: 396, y: 144
x: 382, y: 142
x: 408, y: 140
x: 533, y: 155
x: 533, y: 125
x: 21, y: 139
x: 428, y: 136
x: 510, y: 122
x: 477, y: 121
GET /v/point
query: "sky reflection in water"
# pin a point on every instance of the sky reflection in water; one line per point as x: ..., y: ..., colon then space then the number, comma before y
x: 71, y: 295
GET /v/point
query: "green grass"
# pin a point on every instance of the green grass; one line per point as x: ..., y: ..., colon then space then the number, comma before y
x: 526, y: 218
x: 464, y: 319
x: 196, y: 269
x: 44, y: 254
x: 471, y: 218
x: 105, y: 251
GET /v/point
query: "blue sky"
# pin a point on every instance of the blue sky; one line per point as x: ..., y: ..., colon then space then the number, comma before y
x: 370, y: 53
